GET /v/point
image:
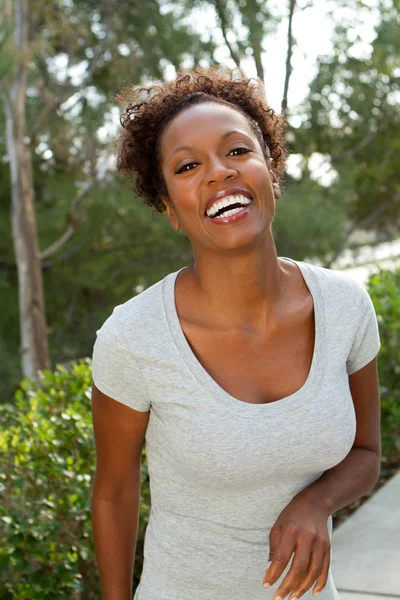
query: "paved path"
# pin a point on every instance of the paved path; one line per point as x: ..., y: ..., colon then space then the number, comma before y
x: 366, y: 548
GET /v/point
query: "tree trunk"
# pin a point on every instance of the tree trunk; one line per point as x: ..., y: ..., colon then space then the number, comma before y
x: 34, y: 348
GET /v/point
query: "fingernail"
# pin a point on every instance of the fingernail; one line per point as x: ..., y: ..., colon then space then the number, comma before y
x: 266, y: 585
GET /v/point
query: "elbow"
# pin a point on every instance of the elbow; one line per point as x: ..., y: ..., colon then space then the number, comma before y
x: 372, y: 465
x: 116, y: 490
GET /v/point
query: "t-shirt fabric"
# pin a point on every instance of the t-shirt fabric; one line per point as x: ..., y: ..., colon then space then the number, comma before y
x: 220, y: 469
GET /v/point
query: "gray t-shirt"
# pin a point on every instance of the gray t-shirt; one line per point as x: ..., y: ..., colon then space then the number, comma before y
x: 221, y: 470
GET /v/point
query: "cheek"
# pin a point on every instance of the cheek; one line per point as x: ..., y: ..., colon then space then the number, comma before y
x: 184, y: 195
x: 261, y: 180
x: 257, y: 169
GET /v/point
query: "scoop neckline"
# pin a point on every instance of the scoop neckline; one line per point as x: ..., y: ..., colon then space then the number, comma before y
x: 288, y: 403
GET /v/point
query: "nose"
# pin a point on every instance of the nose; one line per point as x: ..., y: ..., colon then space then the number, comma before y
x: 219, y: 171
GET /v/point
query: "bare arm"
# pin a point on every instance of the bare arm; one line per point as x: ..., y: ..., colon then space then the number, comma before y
x: 119, y: 433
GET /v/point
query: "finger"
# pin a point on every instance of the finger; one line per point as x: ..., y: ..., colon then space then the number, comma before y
x: 323, y: 577
x: 314, y: 571
x: 282, y: 546
x: 274, y: 541
x: 299, y: 568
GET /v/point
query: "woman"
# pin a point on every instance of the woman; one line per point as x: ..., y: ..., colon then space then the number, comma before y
x: 252, y: 377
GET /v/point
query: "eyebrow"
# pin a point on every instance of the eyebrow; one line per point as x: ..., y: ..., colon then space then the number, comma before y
x: 223, y: 137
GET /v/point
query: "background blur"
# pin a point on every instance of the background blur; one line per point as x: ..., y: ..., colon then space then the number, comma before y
x: 75, y: 242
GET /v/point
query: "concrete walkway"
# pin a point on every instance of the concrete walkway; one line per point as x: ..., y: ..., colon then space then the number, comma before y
x: 366, y: 548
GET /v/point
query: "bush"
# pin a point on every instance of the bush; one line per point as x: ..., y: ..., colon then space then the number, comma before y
x: 47, y: 463
x: 384, y: 289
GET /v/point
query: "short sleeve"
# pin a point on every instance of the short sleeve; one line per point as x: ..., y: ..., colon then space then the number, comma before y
x: 366, y: 343
x: 115, y: 370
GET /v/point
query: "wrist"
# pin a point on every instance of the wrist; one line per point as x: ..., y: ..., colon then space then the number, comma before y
x: 320, y: 501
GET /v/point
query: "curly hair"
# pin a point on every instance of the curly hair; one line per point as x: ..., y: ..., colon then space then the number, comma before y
x: 151, y: 108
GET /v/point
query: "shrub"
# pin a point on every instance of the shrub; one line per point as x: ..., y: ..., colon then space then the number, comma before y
x: 384, y: 289
x: 47, y: 463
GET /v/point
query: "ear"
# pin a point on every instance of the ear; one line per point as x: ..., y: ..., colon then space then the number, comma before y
x: 275, y: 181
x: 274, y: 177
x: 170, y: 212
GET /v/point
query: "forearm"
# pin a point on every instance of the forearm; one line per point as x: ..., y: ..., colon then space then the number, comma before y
x: 115, y: 526
x: 338, y: 487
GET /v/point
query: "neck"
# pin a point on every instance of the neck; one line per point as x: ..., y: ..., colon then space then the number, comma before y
x: 243, y: 291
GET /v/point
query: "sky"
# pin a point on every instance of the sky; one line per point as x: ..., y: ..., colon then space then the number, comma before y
x: 313, y: 30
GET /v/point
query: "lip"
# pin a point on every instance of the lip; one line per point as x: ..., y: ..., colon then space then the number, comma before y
x: 227, y: 192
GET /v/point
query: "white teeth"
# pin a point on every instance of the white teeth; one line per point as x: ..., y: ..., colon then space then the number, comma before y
x: 227, y: 201
x: 228, y: 213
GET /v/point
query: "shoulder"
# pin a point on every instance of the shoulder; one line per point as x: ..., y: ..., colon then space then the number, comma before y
x: 337, y: 285
x: 142, y: 315
x: 345, y: 300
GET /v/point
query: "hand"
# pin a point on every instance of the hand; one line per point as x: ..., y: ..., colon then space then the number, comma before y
x: 302, y: 527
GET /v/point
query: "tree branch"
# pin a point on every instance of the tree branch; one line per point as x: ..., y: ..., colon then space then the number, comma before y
x: 49, y: 264
x: 57, y: 100
x: 40, y: 121
x: 292, y: 6
x: 224, y: 26
x: 256, y: 33
x: 72, y: 225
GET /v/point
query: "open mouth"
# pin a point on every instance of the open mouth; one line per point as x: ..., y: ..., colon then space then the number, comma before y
x: 226, y: 207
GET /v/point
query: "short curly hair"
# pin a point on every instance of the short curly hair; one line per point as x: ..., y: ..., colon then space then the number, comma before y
x: 151, y: 108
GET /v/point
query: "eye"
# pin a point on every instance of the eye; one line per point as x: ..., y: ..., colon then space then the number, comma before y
x: 240, y: 148
x: 245, y: 150
x: 184, y: 166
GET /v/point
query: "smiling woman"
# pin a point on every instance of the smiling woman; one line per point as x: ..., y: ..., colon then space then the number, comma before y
x: 149, y: 110
x: 251, y: 378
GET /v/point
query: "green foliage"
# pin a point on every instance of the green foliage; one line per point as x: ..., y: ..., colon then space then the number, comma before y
x: 47, y: 451
x: 117, y: 244
x: 383, y: 288
x: 47, y: 458
x: 308, y: 221
x: 351, y: 116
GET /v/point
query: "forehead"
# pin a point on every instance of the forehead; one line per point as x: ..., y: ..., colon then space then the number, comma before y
x: 194, y: 125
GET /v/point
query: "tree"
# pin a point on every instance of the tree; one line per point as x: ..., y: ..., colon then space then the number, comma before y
x: 98, y: 244
x: 51, y: 116
x: 351, y: 118
x: 34, y: 350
